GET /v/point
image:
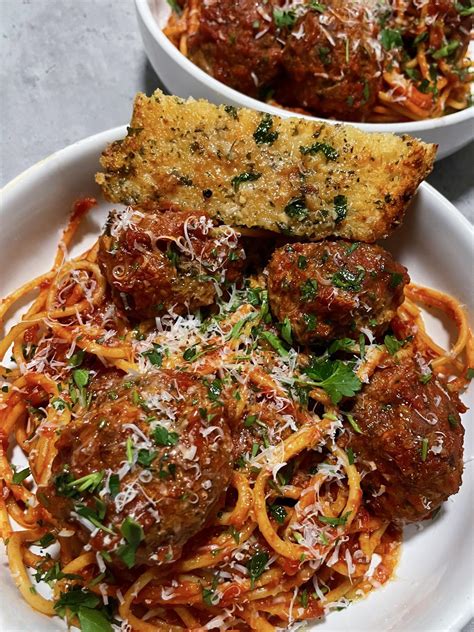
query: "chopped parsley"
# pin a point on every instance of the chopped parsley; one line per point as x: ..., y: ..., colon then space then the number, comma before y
x: 81, y: 377
x: 446, y: 51
x: 348, y: 280
x: 302, y: 262
x: 162, y: 436
x: 310, y: 321
x: 395, y: 279
x: 391, y: 38
x: 425, y: 378
x: 350, y: 456
x: 340, y: 206
x: 146, y: 457
x: 246, y: 176
x: 463, y: 10
x: 296, y: 208
x: 394, y: 345
x: 76, y: 359
x: 19, y: 477
x: 256, y: 566
x: 278, y: 512
x: 324, y: 148
x: 214, y: 390
x: 114, y: 485
x: 154, y: 355
x: 231, y: 111
x: 308, y: 290
x: 341, y: 344
x: 284, y: 19
x: 173, y: 4
x: 317, y: 6
x: 133, y: 534
x: 263, y: 133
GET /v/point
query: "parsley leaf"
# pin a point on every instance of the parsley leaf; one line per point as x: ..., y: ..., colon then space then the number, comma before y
x: 393, y: 344
x: 324, y: 148
x: 296, y: 208
x: 340, y: 206
x: 348, y: 280
x: 284, y: 19
x: 262, y: 134
x: 341, y: 344
x: 317, y: 6
x: 308, y: 290
x: 114, y: 485
x: 133, y: 534
x: 81, y: 377
x: 278, y: 512
x: 395, y: 279
x: 75, y: 599
x: 146, y: 457
x: 93, y: 620
x: 155, y: 355
x: 162, y: 436
x: 19, y: 477
x: 246, y: 176
x: 391, y: 38
x: 335, y: 377
x: 463, y: 10
x: 256, y: 565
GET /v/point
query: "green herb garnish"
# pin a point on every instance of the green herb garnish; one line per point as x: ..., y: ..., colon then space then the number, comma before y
x: 324, y: 148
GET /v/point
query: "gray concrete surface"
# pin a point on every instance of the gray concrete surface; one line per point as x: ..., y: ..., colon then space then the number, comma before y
x: 70, y: 68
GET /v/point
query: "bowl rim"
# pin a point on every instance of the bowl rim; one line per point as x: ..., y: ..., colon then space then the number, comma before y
x: 410, y: 127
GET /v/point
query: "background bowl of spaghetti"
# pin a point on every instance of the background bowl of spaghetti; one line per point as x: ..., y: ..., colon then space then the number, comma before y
x: 431, y: 589
x: 182, y: 77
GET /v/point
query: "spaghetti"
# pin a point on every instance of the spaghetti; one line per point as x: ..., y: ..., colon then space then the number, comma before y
x: 289, y: 543
x: 420, y: 70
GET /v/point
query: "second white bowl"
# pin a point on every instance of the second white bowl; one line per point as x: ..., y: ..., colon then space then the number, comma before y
x: 182, y: 77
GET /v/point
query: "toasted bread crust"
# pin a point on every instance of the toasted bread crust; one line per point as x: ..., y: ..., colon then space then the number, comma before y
x: 311, y: 179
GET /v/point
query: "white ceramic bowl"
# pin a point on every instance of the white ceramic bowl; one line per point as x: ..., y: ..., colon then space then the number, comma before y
x: 182, y: 77
x: 432, y: 590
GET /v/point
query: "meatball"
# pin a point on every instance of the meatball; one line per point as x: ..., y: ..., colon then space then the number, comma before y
x: 235, y: 42
x: 332, y: 289
x: 158, y: 260
x: 332, y: 62
x: 410, y: 431
x: 155, y: 449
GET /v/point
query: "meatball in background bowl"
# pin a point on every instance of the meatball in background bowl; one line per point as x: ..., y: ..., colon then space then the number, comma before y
x: 184, y: 78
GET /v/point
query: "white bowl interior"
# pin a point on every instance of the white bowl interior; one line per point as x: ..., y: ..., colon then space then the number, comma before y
x: 432, y: 590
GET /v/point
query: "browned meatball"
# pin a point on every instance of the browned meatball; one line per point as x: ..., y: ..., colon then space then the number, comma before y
x: 332, y: 289
x: 158, y: 260
x: 235, y: 42
x: 159, y: 448
x: 412, y: 433
x: 332, y: 61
